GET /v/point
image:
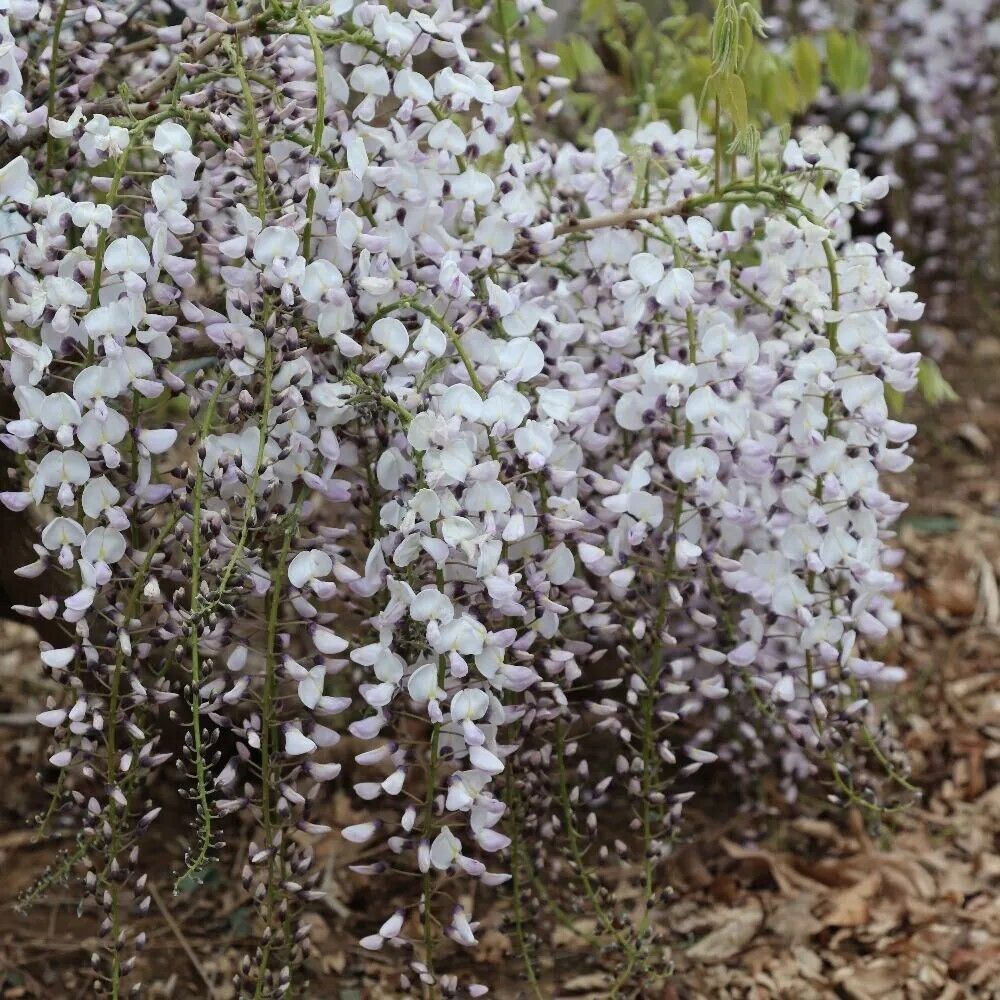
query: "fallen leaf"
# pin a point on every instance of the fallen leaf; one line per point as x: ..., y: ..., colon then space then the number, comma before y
x: 738, y: 930
x: 850, y: 907
x: 965, y: 959
x: 787, y: 879
x: 794, y: 920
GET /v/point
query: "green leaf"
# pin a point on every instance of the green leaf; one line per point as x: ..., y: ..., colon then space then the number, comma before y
x: 733, y: 98
x: 848, y: 62
x: 808, y: 68
x: 622, y: 51
x: 634, y: 16
x: 778, y: 92
x: 861, y: 64
x: 746, y: 43
x: 933, y: 385
x: 598, y: 12
x: 577, y: 57
x: 586, y: 59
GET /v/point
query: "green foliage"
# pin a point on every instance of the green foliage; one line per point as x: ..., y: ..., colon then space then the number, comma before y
x: 808, y: 67
x: 729, y: 91
x: 848, y: 62
x: 653, y: 55
x: 578, y: 57
x: 933, y: 385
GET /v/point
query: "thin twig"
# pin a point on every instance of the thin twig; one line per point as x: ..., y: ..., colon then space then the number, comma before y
x: 166, y: 78
x: 181, y: 939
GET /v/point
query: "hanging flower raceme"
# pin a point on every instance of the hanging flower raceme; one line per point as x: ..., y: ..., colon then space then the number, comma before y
x: 353, y: 410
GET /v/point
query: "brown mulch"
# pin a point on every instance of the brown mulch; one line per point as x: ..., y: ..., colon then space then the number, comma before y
x: 800, y: 908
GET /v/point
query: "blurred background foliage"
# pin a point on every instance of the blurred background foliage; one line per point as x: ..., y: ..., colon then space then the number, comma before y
x: 647, y: 57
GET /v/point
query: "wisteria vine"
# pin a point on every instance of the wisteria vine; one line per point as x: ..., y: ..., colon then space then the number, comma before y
x: 356, y: 410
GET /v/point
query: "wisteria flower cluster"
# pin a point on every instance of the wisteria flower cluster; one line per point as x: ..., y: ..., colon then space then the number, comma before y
x: 929, y: 121
x: 356, y: 411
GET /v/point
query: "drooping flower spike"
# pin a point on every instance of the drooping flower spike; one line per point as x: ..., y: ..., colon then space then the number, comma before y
x: 357, y: 411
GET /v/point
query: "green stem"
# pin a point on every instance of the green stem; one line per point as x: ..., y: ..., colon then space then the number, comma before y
x: 134, y: 464
x: 250, y: 500
x: 512, y: 81
x: 432, y: 766
x: 50, y: 141
x: 199, y: 855
x: 718, y: 148
x: 266, y: 732
x: 576, y: 850
x: 318, y: 126
x: 517, y: 872
x: 115, y: 813
x: 259, y: 168
x: 102, y: 246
